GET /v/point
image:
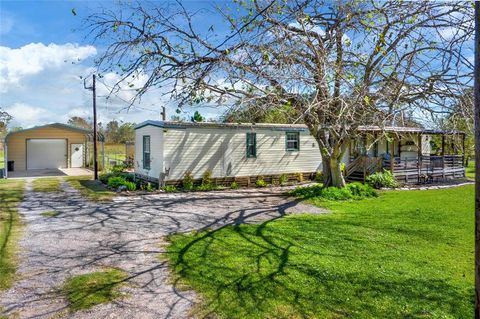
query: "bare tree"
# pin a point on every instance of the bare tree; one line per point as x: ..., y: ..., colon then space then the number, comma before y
x: 339, y: 64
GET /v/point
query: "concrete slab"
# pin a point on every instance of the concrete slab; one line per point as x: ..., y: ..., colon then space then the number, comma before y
x: 50, y: 172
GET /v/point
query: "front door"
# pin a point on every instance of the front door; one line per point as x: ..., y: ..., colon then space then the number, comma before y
x: 76, y: 155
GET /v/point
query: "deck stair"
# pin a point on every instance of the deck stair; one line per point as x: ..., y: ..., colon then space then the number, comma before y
x: 361, y: 167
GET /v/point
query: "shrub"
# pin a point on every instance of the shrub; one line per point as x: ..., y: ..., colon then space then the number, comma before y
x: 118, y: 168
x: 260, y: 182
x: 382, y: 179
x: 187, y: 182
x: 299, y: 177
x: 207, y: 178
x: 117, y: 181
x: 106, y: 176
x: 234, y: 185
x: 170, y: 189
x: 319, y: 176
x: 283, y: 179
x: 131, y: 186
x: 351, y: 191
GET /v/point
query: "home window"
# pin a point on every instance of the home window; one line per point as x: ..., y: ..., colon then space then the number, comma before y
x: 146, y: 152
x: 292, y: 141
x: 251, y: 145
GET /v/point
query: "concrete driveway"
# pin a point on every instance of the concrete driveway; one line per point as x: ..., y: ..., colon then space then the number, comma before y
x: 126, y: 233
x: 51, y: 172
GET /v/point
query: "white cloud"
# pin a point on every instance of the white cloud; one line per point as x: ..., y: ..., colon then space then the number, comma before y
x: 38, y: 87
x: 33, y: 58
x: 29, y: 115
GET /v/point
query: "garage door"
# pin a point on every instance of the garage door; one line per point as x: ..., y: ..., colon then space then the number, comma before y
x: 46, y: 153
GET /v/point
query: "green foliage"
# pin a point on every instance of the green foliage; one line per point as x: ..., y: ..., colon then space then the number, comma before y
x: 319, y: 192
x: 283, y: 179
x: 207, y: 178
x: 170, y: 189
x: 405, y: 254
x: 117, y: 181
x: 187, y: 182
x: 260, y: 182
x: 299, y: 177
x: 256, y: 113
x: 319, y: 176
x: 50, y: 214
x: 382, y: 179
x: 87, y: 290
x: 125, y: 175
x: 234, y: 185
x: 147, y: 187
x: 197, y: 117
x: 118, y: 169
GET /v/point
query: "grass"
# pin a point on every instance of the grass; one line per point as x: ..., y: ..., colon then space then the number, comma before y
x: 11, y: 193
x: 470, y: 170
x: 404, y: 254
x: 93, y: 190
x: 87, y: 290
x: 47, y: 184
x: 50, y: 214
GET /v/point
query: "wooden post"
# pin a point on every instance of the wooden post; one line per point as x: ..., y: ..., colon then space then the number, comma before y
x: 463, y: 150
x: 443, y: 144
x: 419, y: 155
x: 392, y: 159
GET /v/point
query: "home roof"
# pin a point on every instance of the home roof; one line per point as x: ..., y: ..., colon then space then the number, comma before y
x: 297, y: 127
x: 87, y: 132
x: 184, y: 125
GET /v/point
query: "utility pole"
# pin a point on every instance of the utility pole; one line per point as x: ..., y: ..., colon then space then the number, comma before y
x: 95, y: 161
x: 476, y: 90
x: 164, y: 114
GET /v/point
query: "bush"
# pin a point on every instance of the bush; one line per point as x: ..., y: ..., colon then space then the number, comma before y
x: 187, y: 182
x: 118, y: 169
x: 147, y: 187
x: 170, y: 189
x: 106, y: 176
x: 299, y: 177
x: 207, y: 179
x: 234, y: 185
x: 351, y: 191
x: 319, y: 176
x: 117, y: 181
x: 382, y: 179
x: 260, y: 182
x: 283, y: 179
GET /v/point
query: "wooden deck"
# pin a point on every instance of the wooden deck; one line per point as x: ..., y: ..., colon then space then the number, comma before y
x: 409, y: 170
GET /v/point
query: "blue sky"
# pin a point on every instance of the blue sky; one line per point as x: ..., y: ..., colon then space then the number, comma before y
x: 43, y: 53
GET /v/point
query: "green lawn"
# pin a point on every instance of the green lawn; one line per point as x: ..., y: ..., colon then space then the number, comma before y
x: 46, y: 184
x: 405, y: 254
x: 93, y: 190
x: 11, y: 193
x: 87, y: 290
x: 470, y: 170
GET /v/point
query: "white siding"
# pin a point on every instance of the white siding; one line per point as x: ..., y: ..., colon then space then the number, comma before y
x: 223, y: 151
x: 156, y: 150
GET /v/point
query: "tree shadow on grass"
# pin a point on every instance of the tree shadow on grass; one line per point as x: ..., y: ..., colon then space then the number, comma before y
x: 272, y: 271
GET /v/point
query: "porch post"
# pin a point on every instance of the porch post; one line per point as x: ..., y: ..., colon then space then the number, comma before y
x: 419, y: 155
x: 392, y: 159
x: 443, y: 144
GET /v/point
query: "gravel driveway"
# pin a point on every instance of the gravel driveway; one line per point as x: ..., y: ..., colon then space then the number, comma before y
x: 126, y: 233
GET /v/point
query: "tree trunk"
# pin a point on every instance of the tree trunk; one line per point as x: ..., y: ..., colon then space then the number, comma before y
x: 332, y: 173
x: 337, y: 179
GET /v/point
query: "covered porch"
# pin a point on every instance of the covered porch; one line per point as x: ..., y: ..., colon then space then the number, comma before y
x: 413, y: 155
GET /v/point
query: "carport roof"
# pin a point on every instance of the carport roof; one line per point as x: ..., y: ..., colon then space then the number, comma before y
x: 87, y: 132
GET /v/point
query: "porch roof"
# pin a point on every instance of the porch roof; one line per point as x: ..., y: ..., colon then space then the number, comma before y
x: 406, y: 129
